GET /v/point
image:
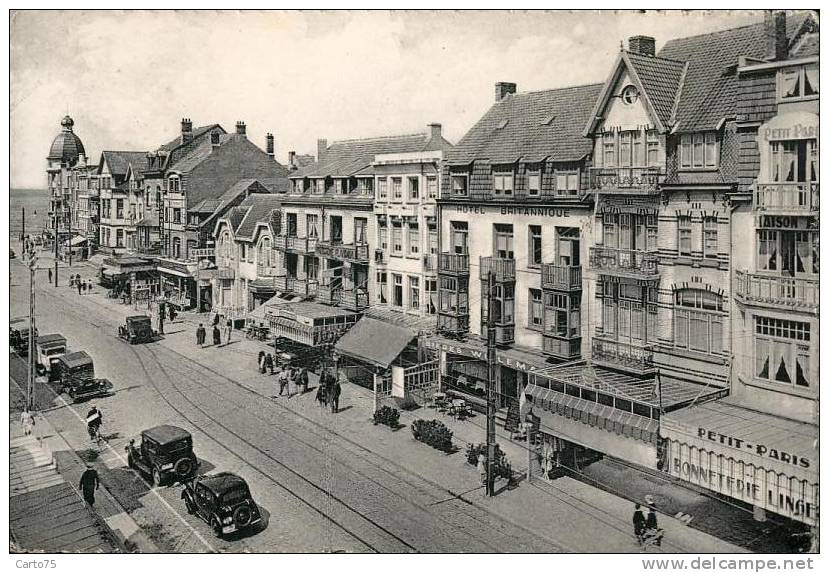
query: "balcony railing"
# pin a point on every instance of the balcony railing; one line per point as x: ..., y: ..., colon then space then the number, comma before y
x: 302, y: 245
x: 328, y: 294
x: 453, y: 324
x: 279, y: 242
x: 562, y: 348
x: 636, y: 179
x: 779, y: 292
x: 504, y: 269
x: 625, y: 262
x: 451, y: 263
x: 787, y: 198
x: 504, y: 333
x: 305, y: 287
x: 357, y: 253
x: 622, y: 355
x: 268, y: 271
x: 560, y: 277
x: 284, y: 283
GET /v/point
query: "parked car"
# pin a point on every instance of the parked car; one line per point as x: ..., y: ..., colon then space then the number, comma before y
x: 137, y: 329
x: 49, y: 348
x: 165, y: 453
x: 75, y: 372
x: 222, y: 500
x: 19, y: 334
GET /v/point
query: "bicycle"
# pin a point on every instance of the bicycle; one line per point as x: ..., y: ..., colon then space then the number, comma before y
x: 95, y: 435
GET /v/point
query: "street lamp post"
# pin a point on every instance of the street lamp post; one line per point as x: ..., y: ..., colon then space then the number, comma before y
x: 30, y: 381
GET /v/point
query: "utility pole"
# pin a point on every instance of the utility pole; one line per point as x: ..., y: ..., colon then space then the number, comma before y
x: 490, y: 384
x: 30, y: 382
x: 56, y: 247
x: 23, y: 231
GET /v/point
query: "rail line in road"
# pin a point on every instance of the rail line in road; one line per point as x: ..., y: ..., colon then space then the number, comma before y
x: 460, y: 516
x: 302, y: 498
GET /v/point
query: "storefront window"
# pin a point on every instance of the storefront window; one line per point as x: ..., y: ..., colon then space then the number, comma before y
x: 781, y: 351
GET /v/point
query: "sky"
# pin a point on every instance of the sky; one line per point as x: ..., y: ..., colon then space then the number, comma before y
x: 127, y: 78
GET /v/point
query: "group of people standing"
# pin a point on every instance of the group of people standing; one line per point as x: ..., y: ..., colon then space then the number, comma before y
x: 328, y: 391
x: 76, y: 281
x: 201, y: 332
x: 646, y: 529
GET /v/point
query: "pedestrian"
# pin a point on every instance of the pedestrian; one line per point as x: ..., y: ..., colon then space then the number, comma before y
x: 652, y: 527
x: 268, y: 364
x: 161, y: 324
x: 228, y: 329
x: 303, y: 379
x: 260, y: 362
x: 89, y: 286
x: 638, y: 523
x: 78, y: 283
x: 217, y: 336
x: 320, y: 394
x: 50, y: 276
x: 83, y: 286
x: 216, y: 319
x: 28, y: 422
x: 482, y: 468
x: 173, y: 313
x: 89, y: 483
x: 200, y: 335
x: 335, y: 396
x: 282, y: 376
x: 292, y: 382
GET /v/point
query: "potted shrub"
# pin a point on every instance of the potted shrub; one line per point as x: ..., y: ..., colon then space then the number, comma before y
x: 434, y: 433
x: 387, y: 416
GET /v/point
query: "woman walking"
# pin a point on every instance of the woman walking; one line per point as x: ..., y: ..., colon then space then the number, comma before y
x: 261, y: 362
x: 28, y: 422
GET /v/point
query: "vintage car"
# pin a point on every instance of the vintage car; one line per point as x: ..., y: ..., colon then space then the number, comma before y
x: 49, y: 347
x: 19, y: 334
x: 165, y: 454
x: 223, y: 501
x: 75, y: 372
x: 137, y: 329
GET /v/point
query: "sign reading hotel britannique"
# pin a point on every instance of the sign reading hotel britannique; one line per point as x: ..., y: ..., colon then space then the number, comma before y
x: 513, y: 210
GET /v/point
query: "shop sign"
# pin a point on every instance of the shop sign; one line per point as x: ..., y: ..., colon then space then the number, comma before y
x: 478, y: 354
x: 758, y: 486
x: 786, y: 222
x: 796, y: 125
x: 536, y: 211
x: 761, y: 450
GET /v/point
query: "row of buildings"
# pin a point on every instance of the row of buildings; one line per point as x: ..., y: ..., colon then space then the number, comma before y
x: 648, y: 246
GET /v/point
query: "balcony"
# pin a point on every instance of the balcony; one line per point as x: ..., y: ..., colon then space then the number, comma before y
x: 454, y: 324
x: 561, y: 348
x: 284, y: 283
x: 328, y: 294
x: 305, y: 287
x: 624, y: 262
x: 634, y: 180
x: 504, y: 333
x: 301, y: 245
x: 268, y: 271
x: 453, y: 264
x: 355, y: 299
x: 787, y: 198
x: 504, y: 269
x: 559, y: 277
x: 279, y: 242
x: 356, y: 253
x: 637, y: 359
x: 784, y: 293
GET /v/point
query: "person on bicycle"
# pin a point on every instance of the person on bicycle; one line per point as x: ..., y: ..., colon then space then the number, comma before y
x: 94, y: 419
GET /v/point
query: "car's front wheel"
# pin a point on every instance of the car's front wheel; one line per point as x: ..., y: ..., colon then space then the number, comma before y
x: 157, y: 479
x: 191, y: 509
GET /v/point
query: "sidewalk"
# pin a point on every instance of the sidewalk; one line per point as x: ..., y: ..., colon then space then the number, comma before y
x: 70, y: 467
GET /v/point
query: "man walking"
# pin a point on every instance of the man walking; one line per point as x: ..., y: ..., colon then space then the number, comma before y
x: 638, y: 523
x: 228, y: 329
x: 303, y: 379
x: 200, y: 335
x: 217, y: 336
x: 50, y: 276
x: 89, y: 483
x: 335, y: 397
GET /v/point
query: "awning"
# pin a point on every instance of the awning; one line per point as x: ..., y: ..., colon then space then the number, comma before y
x: 261, y: 311
x: 375, y: 342
x: 77, y: 241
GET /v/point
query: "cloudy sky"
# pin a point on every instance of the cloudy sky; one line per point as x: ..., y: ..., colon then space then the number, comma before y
x: 127, y: 78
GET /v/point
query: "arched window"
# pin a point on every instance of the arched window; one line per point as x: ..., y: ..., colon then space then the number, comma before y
x: 698, y: 321
x: 263, y: 252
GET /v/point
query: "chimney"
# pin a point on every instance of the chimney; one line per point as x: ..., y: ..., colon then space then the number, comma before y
x: 269, y: 145
x: 322, y: 147
x: 434, y: 130
x: 215, y: 138
x: 292, y: 160
x: 642, y: 45
x: 774, y: 35
x: 504, y: 88
x: 186, y: 130
x: 241, y: 129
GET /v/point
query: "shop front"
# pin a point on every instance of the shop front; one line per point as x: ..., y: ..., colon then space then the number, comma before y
x: 768, y: 462
x: 178, y: 282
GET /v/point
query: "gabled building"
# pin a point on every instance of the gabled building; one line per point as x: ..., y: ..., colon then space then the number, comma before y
x: 121, y: 199
x: 64, y: 154
x: 514, y: 209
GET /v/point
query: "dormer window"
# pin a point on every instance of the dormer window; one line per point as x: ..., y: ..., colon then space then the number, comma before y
x: 459, y: 185
x: 801, y: 82
x: 698, y: 151
x: 174, y: 185
x: 630, y: 95
x: 503, y: 182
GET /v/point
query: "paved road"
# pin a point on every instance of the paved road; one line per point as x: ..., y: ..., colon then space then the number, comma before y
x: 320, y: 490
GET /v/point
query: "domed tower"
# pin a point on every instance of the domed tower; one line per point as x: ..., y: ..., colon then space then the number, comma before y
x: 63, y: 155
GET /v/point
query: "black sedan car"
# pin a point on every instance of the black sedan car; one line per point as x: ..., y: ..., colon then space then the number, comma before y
x: 222, y: 500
